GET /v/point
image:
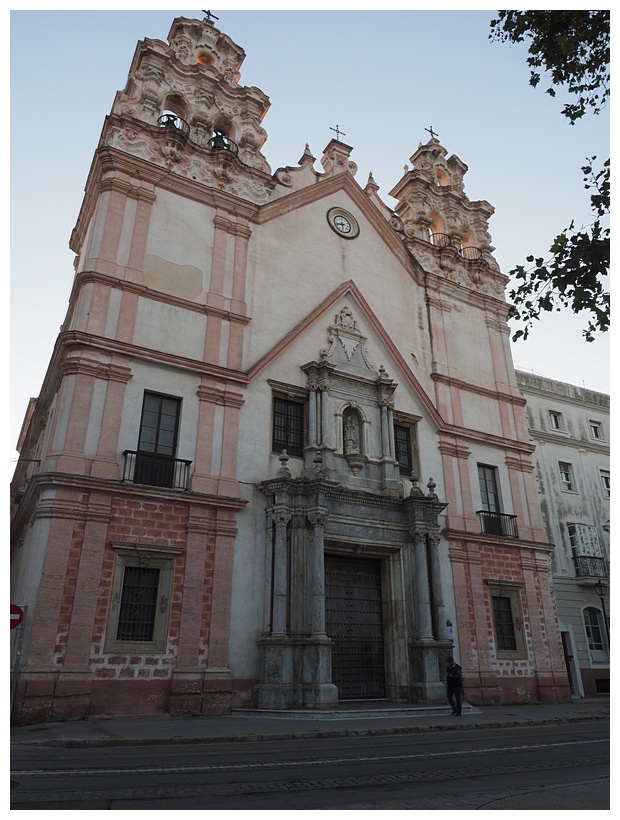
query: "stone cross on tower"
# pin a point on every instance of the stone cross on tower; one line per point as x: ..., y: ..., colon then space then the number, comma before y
x: 338, y: 131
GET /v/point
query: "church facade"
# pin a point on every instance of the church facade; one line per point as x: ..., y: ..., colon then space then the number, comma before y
x: 280, y: 458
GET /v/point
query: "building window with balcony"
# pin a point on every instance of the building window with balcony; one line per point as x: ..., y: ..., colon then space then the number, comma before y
x: 507, y: 620
x: 157, y: 442
x: 605, y: 483
x: 138, y: 617
x: 587, y: 551
x: 567, y: 480
x: 288, y: 426
x: 594, y: 629
x: 556, y: 421
x: 154, y: 462
x: 492, y: 520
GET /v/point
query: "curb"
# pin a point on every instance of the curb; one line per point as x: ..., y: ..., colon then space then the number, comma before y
x: 76, y: 743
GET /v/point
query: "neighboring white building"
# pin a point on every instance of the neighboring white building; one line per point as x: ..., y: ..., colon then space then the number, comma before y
x: 571, y: 429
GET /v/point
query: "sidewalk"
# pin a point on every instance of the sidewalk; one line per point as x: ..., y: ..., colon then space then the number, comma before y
x: 351, y: 719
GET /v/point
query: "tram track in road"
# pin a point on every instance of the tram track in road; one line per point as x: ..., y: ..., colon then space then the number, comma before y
x: 470, y: 771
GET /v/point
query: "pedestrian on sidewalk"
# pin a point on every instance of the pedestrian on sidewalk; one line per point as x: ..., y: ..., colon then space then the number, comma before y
x: 454, y: 686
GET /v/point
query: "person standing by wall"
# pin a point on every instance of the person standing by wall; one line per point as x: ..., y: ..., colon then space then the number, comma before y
x: 454, y: 685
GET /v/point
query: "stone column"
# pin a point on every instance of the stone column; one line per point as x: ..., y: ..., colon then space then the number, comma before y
x: 312, y: 414
x: 424, y: 619
x: 391, y: 430
x: 279, y: 599
x: 385, y: 430
x: 437, y: 586
x: 317, y: 573
x: 325, y: 437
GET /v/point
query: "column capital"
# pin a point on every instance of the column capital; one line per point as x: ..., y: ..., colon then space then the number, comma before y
x: 281, y: 518
x: 317, y: 518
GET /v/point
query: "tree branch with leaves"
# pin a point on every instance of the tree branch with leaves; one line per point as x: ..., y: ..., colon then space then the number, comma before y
x: 572, y: 48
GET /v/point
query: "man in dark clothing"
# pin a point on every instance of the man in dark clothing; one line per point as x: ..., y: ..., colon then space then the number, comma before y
x: 454, y: 682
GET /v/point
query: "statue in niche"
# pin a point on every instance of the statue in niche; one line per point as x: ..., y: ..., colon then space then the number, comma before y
x: 351, y: 434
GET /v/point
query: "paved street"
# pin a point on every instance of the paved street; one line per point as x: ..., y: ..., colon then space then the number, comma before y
x: 530, y: 766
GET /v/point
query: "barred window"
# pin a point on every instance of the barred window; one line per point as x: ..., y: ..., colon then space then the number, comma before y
x: 504, y: 626
x: 288, y: 427
x: 507, y: 618
x: 140, y: 598
x: 402, y: 445
x: 136, y: 620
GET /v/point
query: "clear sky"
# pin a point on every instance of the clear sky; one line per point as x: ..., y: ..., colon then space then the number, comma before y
x: 383, y: 77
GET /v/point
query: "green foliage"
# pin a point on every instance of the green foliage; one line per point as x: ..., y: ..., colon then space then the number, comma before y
x: 573, y: 48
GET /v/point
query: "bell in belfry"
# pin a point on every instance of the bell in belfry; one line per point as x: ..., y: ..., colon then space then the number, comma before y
x: 219, y: 141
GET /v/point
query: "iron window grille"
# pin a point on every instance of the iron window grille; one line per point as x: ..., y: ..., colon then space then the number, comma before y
x: 138, y: 607
x: 505, y: 636
x: 288, y: 427
x: 403, y: 450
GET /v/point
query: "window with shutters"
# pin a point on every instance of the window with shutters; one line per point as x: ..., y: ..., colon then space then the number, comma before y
x: 567, y: 479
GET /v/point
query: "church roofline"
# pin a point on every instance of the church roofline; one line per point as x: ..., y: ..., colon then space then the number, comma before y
x: 346, y: 183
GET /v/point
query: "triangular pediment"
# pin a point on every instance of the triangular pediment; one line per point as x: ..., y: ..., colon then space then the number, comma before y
x: 348, y: 322
x: 358, y: 198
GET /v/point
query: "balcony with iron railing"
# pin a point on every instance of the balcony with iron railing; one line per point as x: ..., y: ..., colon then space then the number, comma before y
x: 494, y: 523
x: 470, y: 253
x: 442, y: 241
x: 588, y: 567
x: 171, y: 121
x: 220, y: 142
x: 156, y: 470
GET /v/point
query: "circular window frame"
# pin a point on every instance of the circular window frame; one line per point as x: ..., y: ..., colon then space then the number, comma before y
x: 334, y: 213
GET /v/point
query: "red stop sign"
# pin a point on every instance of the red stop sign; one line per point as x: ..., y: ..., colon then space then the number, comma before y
x: 17, y: 615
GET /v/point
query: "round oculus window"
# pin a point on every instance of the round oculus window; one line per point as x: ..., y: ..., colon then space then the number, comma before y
x: 343, y: 223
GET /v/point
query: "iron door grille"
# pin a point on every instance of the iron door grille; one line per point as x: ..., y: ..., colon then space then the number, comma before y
x: 354, y: 622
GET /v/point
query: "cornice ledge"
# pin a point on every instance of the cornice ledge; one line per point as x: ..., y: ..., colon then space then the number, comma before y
x: 482, y: 391
x: 498, y: 541
x: 113, y: 282
x: 589, y: 446
x: 115, y: 487
x: 76, y: 338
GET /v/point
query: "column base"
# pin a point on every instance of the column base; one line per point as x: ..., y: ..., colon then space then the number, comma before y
x: 295, y: 673
x: 427, y: 663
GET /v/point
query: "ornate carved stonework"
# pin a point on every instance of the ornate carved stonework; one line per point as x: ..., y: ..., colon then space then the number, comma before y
x: 345, y: 335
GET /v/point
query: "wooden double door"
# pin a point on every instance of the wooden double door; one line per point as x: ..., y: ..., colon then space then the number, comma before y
x: 354, y: 621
